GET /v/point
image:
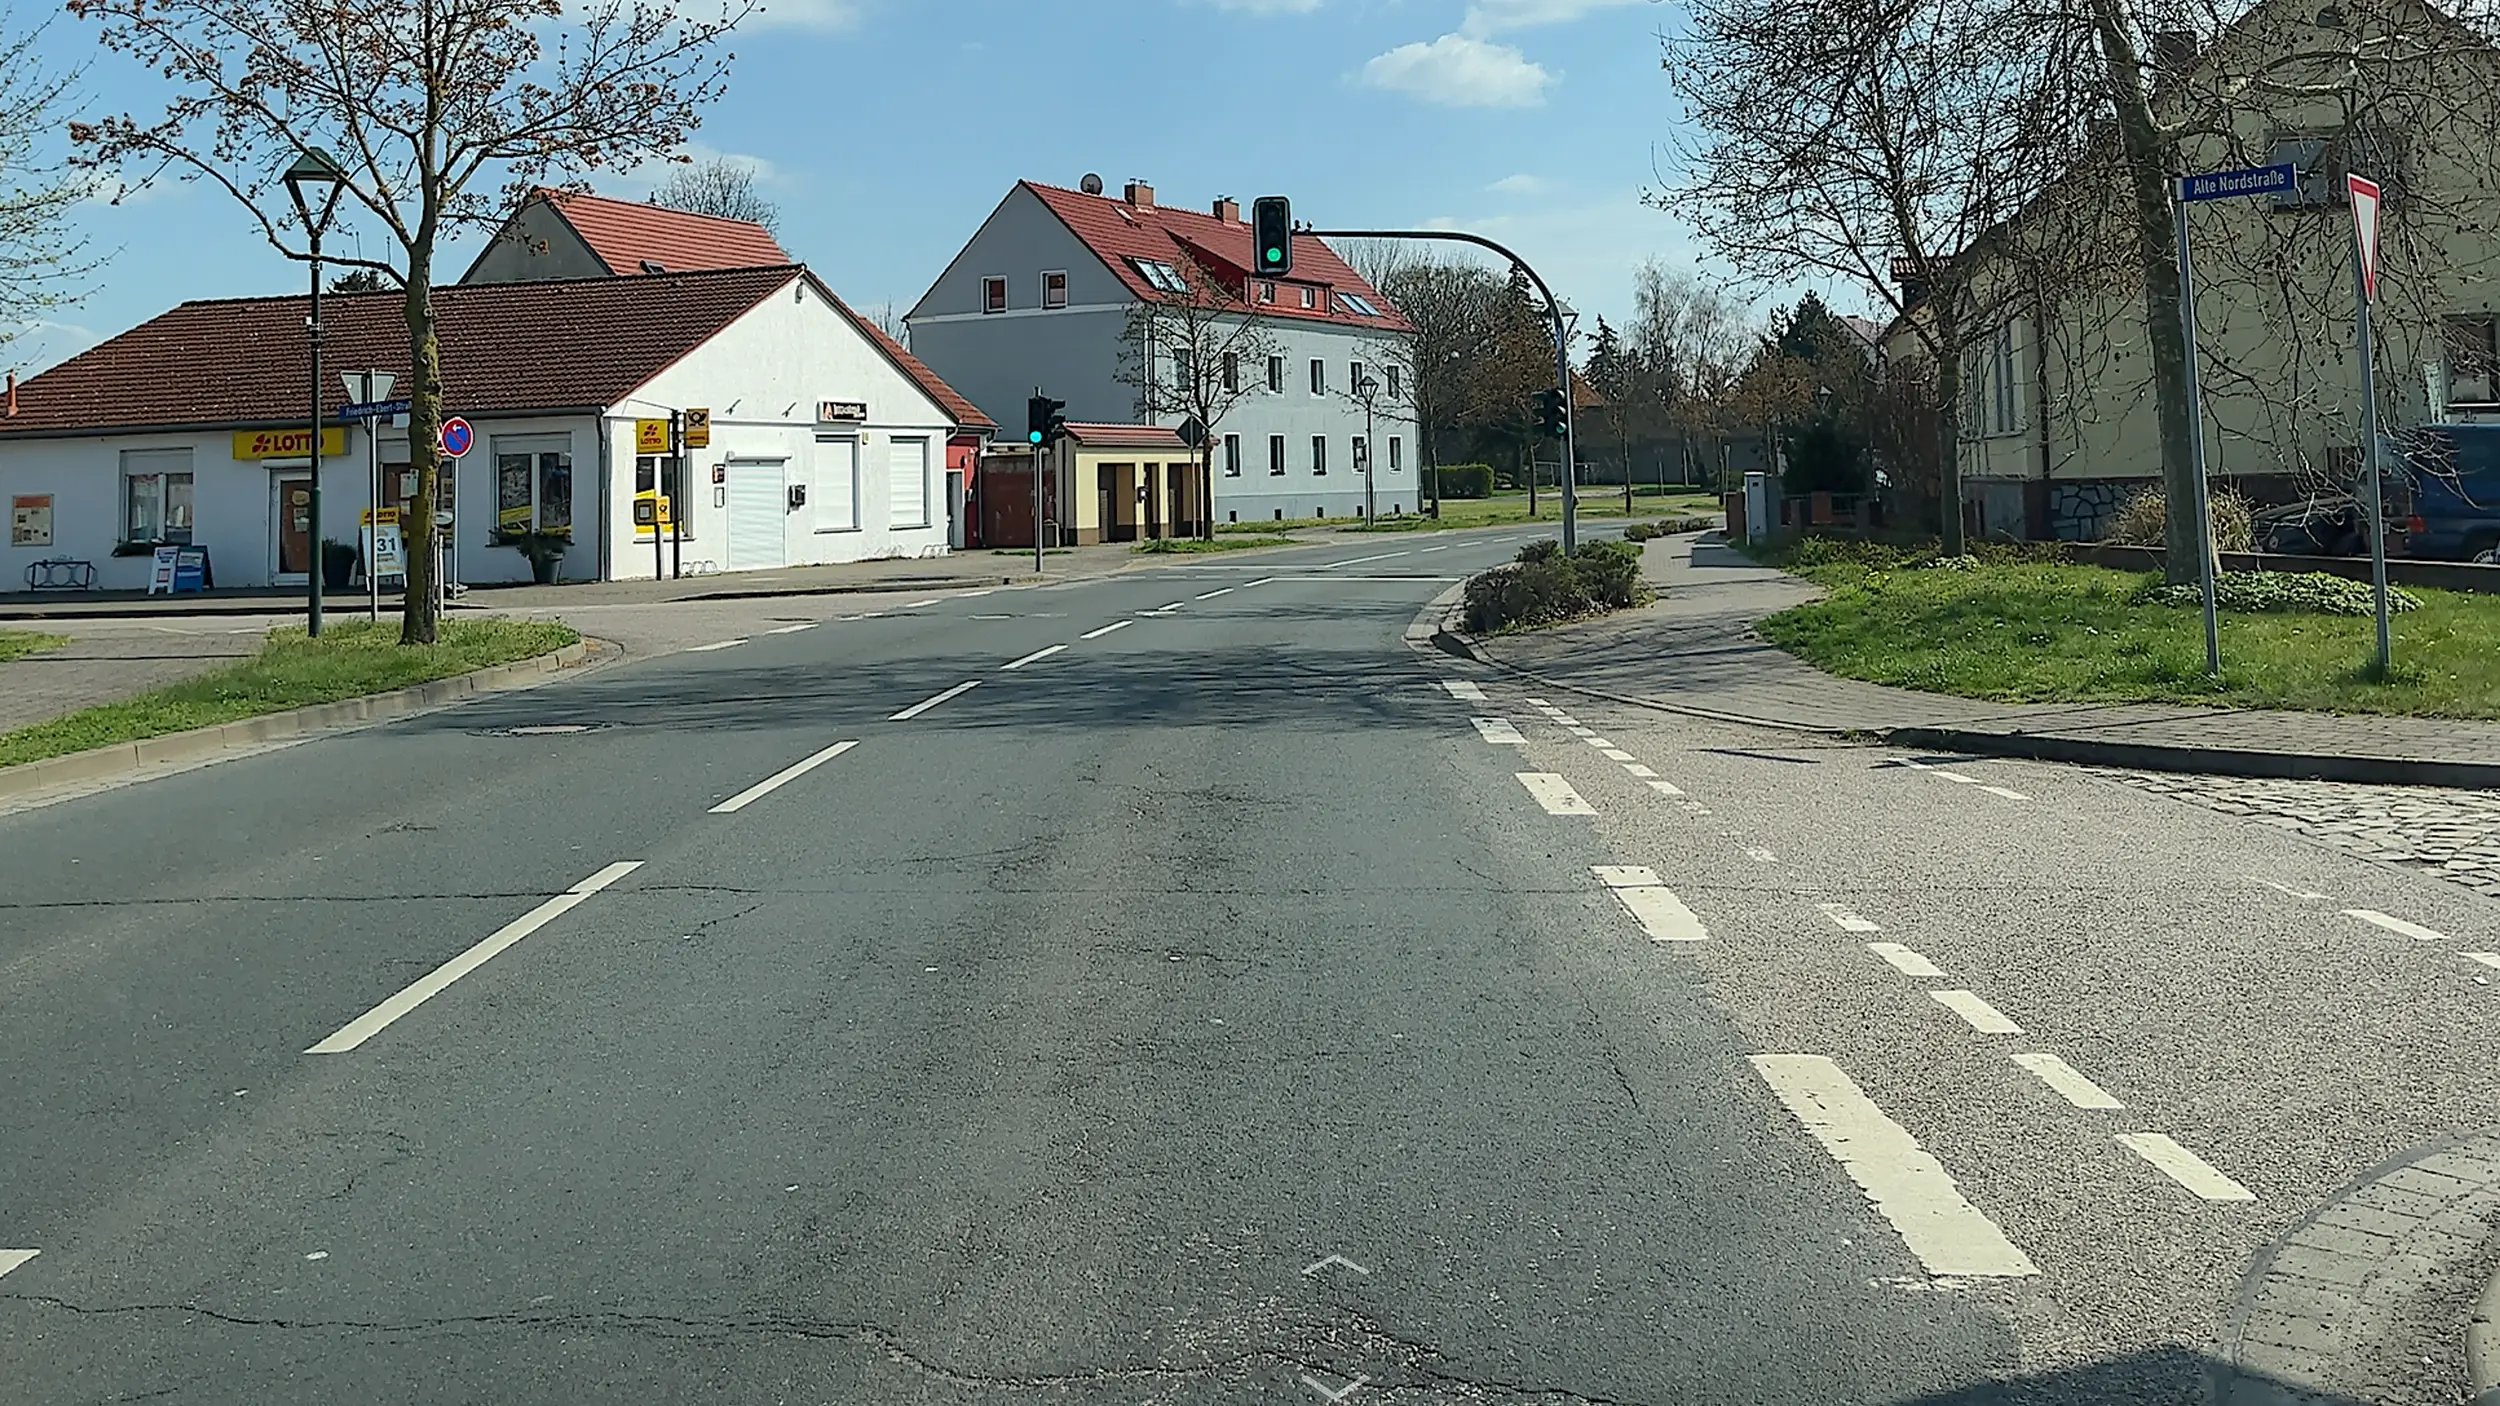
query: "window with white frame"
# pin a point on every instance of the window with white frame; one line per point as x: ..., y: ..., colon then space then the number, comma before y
x: 1185, y: 369
x: 533, y: 483
x: 1276, y: 456
x: 1267, y: 291
x: 1276, y: 373
x: 2001, y: 381
x: 836, y: 494
x: 1055, y: 288
x: 1362, y: 455
x: 156, y: 495
x: 1392, y: 373
x: 907, y: 483
x: 1160, y: 276
x: 1232, y: 456
x: 1232, y: 372
x: 1319, y: 455
x: 2472, y: 344
x: 1319, y: 376
x: 1397, y: 459
x: 994, y: 293
x: 1310, y: 297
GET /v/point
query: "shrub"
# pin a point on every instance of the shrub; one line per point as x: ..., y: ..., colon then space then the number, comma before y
x: 2286, y: 593
x: 1545, y: 587
x: 1543, y: 549
x: 2140, y: 522
x: 1666, y: 527
x: 1466, y: 480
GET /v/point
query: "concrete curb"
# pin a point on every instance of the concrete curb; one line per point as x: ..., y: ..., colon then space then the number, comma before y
x: 2482, y: 1347
x: 200, y: 744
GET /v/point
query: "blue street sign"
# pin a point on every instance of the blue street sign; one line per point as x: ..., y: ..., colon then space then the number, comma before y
x: 2231, y: 185
x: 373, y: 409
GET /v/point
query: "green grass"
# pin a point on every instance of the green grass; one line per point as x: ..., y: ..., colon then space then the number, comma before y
x: 17, y: 643
x: 1170, y: 545
x: 1506, y: 508
x: 2045, y: 633
x: 350, y: 660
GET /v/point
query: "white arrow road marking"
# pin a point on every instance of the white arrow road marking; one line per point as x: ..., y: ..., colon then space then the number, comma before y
x: 1340, y: 1393
x: 1554, y: 793
x: 432, y: 984
x: 2185, y: 1167
x: 779, y: 779
x: 1906, y: 1183
x: 1499, y: 730
x: 2396, y: 925
x: 2067, y: 1080
x: 1316, y: 1266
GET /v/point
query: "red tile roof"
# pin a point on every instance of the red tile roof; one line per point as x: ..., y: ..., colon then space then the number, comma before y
x: 1103, y: 436
x: 507, y: 349
x: 967, y: 415
x: 623, y: 233
x: 1117, y: 232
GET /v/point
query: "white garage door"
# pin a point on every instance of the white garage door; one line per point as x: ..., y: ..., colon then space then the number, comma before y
x: 756, y: 536
x: 907, y: 493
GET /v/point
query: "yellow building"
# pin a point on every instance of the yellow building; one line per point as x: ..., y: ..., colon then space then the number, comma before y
x: 1128, y: 483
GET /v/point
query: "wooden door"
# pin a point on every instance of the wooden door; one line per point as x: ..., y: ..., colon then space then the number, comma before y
x: 295, y: 526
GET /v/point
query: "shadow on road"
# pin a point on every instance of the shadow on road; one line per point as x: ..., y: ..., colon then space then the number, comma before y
x: 2169, y: 1375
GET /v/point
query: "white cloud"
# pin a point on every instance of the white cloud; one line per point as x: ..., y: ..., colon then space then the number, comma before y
x: 646, y: 177
x: 1269, y: 7
x: 1486, y: 17
x: 1521, y: 184
x: 33, y: 345
x: 806, y: 14
x: 1457, y: 71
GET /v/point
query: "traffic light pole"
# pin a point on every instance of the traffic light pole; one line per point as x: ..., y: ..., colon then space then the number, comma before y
x: 1562, y: 351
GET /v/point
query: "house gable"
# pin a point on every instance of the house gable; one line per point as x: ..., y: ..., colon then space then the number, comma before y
x: 1021, y: 240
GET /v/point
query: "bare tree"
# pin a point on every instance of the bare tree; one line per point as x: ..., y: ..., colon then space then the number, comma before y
x: 1452, y: 304
x: 723, y: 188
x: 888, y: 316
x: 41, y: 260
x: 1684, y: 350
x: 423, y: 103
x: 1196, y: 348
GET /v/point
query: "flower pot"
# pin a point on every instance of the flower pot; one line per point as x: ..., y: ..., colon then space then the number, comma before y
x: 543, y: 569
x: 338, y: 565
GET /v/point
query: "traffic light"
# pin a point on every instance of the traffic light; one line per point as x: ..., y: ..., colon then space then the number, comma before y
x: 1042, y: 420
x: 1271, y: 232
x: 1550, y: 419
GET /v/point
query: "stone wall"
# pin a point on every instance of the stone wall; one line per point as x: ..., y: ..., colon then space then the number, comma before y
x: 2081, y: 511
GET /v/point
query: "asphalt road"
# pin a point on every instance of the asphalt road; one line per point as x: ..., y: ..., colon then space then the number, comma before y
x: 1154, y: 940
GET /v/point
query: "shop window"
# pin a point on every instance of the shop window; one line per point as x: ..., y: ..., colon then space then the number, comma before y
x: 533, y: 486
x: 156, y: 495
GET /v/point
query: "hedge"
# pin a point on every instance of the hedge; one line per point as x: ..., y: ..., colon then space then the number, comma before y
x: 1544, y: 587
x: 1466, y: 480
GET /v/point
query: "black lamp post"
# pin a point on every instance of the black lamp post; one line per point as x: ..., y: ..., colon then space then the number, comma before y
x: 1364, y: 389
x: 314, y: 180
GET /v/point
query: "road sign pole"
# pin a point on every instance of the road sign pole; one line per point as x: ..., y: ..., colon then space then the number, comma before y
x: 2196, y: 444
x: 2364, y: 196
x: 676, y: 460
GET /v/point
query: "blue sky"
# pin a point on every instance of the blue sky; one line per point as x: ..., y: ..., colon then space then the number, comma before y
x: 887, y: 129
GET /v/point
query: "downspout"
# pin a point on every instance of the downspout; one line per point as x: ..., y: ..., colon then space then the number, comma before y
x: 607, y: 495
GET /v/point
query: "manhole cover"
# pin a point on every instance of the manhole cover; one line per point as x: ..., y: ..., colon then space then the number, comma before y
x: 540, y: 730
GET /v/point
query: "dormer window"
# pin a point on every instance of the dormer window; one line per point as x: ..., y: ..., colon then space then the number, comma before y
x: 1310, y: 297
x: 1160, y: 276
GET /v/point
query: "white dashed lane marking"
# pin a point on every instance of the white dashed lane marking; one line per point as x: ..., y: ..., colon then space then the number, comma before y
x: 1096, y: 634
x: 11, y: 1259
x: 1554, y: 793
x: 793, y: 629
x: 2396, y: 925
x: 2067, y: 1080
x: 1848, y: 920
x: 1761, y: 856
x: 716, y: 644
x: 2303, y: 895
x: 1984, y: 1018
x: 1464, y: 691
x: 1036, y: 656
x: 1640, y: 771
x: 1615, y: 754
x: 1903, y: 960
x: 779, y: 779
x: 2489, y: 959
x: 1664, y: 788
x: 925, y: 704
x: 1907, y: 1185
x: 2185, y: 1167
x: 1210, y: 595
x: 1652, y: 904
x: 1499, y: 730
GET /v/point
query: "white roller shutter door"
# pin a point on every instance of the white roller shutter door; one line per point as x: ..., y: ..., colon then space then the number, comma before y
x: 907, y: 490
x: 757, y: 539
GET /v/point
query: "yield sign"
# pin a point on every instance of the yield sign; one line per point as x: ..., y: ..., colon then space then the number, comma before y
x: 2365, y: 231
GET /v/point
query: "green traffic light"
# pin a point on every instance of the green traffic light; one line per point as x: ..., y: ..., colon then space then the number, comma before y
x: 1275, y: 256
x: 1034, y: 436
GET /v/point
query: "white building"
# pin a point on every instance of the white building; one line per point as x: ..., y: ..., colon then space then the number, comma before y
x: 1040, y: 298
x: 828, y: 442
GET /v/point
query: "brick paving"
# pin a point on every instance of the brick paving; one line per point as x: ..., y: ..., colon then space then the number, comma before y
x: 2446, y: 833
x: 1696, y: 650
x: 109, y: 660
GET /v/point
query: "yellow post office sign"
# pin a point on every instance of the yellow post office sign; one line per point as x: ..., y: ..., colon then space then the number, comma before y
x: 652, y: 510
x: 699, y: 429
x: 651, y: 436
x: 253, y: 445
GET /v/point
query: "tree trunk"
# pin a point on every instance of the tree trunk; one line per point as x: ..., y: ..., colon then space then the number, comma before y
x: 1529, y: 454
x: 2149, y: 161
x: 1949, y: 444
x: 421, y: 613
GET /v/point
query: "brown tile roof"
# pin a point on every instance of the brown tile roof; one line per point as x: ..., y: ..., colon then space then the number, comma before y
x: 624, y: 233
x: 507, y: 349
x: 967, y: 415
x: 1118, y: 232
x: 1102, y: 436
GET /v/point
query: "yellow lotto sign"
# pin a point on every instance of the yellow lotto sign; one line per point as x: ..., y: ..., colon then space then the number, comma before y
x: 288, y: 444
x: 651, y: 436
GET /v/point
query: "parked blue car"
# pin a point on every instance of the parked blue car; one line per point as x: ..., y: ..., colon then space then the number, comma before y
x: 2452, y: 488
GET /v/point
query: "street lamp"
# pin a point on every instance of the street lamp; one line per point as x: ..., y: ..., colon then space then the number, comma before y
x: 1364, y: 389
x: 313, y: 180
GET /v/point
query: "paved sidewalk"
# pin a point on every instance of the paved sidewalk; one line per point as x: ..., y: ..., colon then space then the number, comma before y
x: 106, y: 661
x: 1696, y: 651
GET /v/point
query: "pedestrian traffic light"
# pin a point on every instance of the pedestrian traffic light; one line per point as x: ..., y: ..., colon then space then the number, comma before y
x: 1042, y: 421
x: 1271, y: 231
x: 1550, y: 419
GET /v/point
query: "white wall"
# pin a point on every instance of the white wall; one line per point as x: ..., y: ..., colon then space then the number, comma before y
x: 762, y: 378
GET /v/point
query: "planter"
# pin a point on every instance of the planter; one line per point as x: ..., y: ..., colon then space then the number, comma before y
x: 543, y: 570
x: 338, y: 565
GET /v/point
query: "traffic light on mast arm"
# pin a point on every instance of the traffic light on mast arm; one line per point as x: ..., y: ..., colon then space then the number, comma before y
x: 1043, y: 422
x: 1271, y: 231
x: 1550, y: 418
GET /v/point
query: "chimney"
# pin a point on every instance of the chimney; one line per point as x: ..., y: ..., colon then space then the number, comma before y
x: 12, y: 395
x: 1228, y: 210
x: 1139, y: 195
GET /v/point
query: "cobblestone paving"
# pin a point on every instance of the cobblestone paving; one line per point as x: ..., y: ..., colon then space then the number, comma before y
x: 2454, y: 835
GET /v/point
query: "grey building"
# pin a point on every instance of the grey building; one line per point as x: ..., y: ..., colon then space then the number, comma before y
x: 1040, y: 299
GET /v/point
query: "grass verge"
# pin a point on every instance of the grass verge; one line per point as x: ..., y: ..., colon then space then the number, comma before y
x: 18, y: 643
x: 350, y: 660
x: 1171, y: 546
x: 2043, y: 632
x: 1503, y: 509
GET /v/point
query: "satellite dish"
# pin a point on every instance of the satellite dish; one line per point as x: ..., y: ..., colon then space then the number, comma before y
x: 1091, y: 185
